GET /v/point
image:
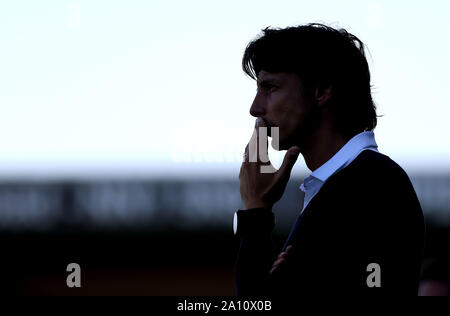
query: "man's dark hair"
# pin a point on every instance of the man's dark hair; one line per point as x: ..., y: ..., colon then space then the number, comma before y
x: 322, y: 57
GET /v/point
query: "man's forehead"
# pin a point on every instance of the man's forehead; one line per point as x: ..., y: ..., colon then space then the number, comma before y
x: 267, y: 76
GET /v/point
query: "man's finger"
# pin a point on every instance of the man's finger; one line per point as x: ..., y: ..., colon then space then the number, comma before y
x: 246, y: 154
x: 288, y: 162
x: 275, y: 265
x: 282, y: 255
x: 252, y: 147
x: 277, y: 262
x: 263, y: 141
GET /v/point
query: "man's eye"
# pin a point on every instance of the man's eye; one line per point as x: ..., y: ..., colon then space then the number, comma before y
x: 267, y: 87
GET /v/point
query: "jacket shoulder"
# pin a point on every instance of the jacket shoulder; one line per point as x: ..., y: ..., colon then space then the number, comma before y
x: 372, y: 167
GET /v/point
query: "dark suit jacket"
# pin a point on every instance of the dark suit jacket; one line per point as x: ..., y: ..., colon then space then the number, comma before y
x: 365, y: 213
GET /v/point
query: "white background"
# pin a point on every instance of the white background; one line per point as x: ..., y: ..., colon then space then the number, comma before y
x: 155, y: 88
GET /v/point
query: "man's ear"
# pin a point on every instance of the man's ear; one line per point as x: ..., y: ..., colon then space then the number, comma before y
x: 323, y: 95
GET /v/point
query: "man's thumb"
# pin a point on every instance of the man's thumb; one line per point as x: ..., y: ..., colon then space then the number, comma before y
x: 289, y: 161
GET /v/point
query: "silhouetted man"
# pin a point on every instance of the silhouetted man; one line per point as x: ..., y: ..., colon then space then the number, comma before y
x: 361, y: 228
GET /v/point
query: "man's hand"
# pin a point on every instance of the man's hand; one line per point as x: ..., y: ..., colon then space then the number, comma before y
x: 281, y: 258
x: 259, y: 189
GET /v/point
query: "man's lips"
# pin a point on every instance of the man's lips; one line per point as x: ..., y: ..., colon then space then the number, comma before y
x: 263, y: 122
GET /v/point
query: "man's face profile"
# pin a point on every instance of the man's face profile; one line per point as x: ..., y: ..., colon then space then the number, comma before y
x: 281, y: 102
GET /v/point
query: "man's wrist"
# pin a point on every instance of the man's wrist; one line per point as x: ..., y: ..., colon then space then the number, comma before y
x: 257, y: 205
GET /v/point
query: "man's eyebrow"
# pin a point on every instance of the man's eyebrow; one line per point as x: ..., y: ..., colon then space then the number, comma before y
x: 267, y: 81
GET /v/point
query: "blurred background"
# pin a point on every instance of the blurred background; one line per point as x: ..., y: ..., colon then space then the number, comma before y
x: 123, y: 123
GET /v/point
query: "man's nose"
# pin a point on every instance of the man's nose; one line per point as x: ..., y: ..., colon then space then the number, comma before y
x: 257, y: 109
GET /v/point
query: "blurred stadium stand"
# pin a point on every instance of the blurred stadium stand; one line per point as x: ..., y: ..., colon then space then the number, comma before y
x: 159, y: 237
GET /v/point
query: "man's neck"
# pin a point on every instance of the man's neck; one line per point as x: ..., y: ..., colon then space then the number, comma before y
x: 323, y: 144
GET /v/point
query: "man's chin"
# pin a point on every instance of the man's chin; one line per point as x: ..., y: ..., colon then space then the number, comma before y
x: 281, y: 146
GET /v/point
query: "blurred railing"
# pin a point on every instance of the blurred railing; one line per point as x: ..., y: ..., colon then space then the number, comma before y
x: 155, y: 203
